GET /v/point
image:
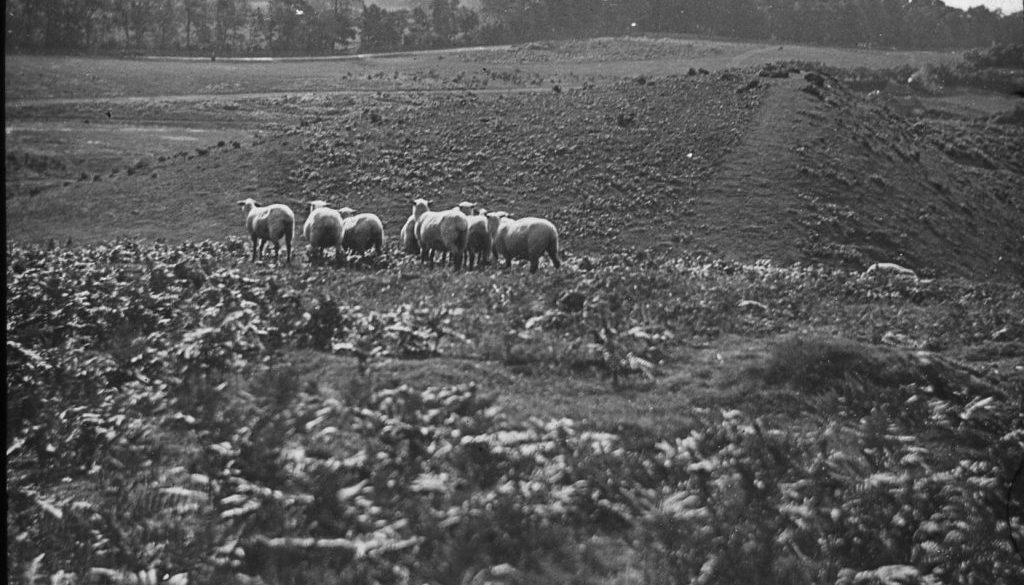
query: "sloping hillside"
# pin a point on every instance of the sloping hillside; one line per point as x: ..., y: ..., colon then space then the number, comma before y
x: 827, y: 174
x: 733, y: 164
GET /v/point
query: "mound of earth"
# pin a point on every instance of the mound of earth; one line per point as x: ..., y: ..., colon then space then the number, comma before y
x: 735, y: 165
x: 828, y: 174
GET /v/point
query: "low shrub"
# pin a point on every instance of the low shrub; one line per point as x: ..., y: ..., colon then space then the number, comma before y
x: 156, y: 426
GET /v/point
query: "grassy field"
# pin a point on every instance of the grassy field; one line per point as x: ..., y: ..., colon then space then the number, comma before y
x: 712, y: 388
x: 33, y: 78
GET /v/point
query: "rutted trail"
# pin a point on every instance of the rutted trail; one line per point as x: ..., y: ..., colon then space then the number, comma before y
x: 745, y: 203
x: 828, y: 174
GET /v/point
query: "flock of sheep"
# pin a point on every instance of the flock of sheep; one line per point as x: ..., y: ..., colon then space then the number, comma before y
x: 463, y: 234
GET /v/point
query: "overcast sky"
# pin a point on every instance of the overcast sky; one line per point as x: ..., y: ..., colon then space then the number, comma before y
x: 1007, y: 6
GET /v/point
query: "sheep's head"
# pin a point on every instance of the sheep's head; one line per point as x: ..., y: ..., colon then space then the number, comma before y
x: 494, y: 221
x: 317, y: 204
x: 248, y: 204
x: 466, y: 207
x: 419, y: 206
x: 346, y: 212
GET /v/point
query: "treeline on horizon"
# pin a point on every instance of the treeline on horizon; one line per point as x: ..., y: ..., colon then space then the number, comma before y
x: 317, y: 27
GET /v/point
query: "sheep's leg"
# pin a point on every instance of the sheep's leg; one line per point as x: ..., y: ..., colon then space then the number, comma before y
x: 288, y: 247
x: 508, y: 263
x: 254, y: 239
x: 457, y: 260
x: 534, y: 264
x: 277, y: 251
x: 553, y: 254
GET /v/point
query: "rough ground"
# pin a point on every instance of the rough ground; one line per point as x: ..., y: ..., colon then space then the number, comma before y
x: 643, y: 158
x: 739, y: 166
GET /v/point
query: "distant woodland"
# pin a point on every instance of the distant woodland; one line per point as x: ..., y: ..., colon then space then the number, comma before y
x: 308, y: 27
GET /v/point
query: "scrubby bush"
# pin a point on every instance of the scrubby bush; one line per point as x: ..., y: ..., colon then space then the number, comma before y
x: 1009, y: 56
x: 157, y: 425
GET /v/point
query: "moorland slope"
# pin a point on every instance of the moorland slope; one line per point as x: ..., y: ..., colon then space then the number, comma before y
x: 732, y: 164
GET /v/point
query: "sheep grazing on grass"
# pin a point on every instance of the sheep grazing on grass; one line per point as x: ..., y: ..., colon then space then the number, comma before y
x: 478, y: 240
x: 323, y: 229
x: 361, y: 232
x: 444, y: 231
x: 270, y: 223
x: 409, y: 244
x: 528, y: 238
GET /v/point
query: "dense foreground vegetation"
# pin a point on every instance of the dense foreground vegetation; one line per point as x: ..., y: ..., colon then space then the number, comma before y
x: 160, y: 423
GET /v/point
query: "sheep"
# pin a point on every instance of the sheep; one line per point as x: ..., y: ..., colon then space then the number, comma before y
x: 269, y: 223
x: 409, y: 244
x: 890, y: 268
x: 469, y: 209
x: 361, y: 232
x: 478, y: 240
x: 528, y: 238
x: 323, y: 229
x: 445, y: 231
x: 492, y: 229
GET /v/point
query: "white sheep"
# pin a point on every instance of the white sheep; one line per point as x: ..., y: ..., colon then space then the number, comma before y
x: 528, y: 238
x: 361, y: 232
x: 469, y: 209
x: 890, y: 268
x: 323, y: 229
x: 269, y: 223
x: 444, y: 231
x: 409, y: 244
x: 478, y: 240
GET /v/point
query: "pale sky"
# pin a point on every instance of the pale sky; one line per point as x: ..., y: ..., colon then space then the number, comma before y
x: 1007, y: 6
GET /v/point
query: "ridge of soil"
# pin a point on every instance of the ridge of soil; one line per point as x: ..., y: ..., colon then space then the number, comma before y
x: 829, y: 175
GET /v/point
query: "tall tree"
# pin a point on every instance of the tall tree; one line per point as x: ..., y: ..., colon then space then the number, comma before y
x: 442, y: 18
x: 136, y: 18
x: 166, y: 24
x: 196, y: 22
x: 381, y: 30
x: 228, y: 17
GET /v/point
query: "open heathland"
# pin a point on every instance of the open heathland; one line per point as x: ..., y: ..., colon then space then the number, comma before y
x: 713, y: 387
